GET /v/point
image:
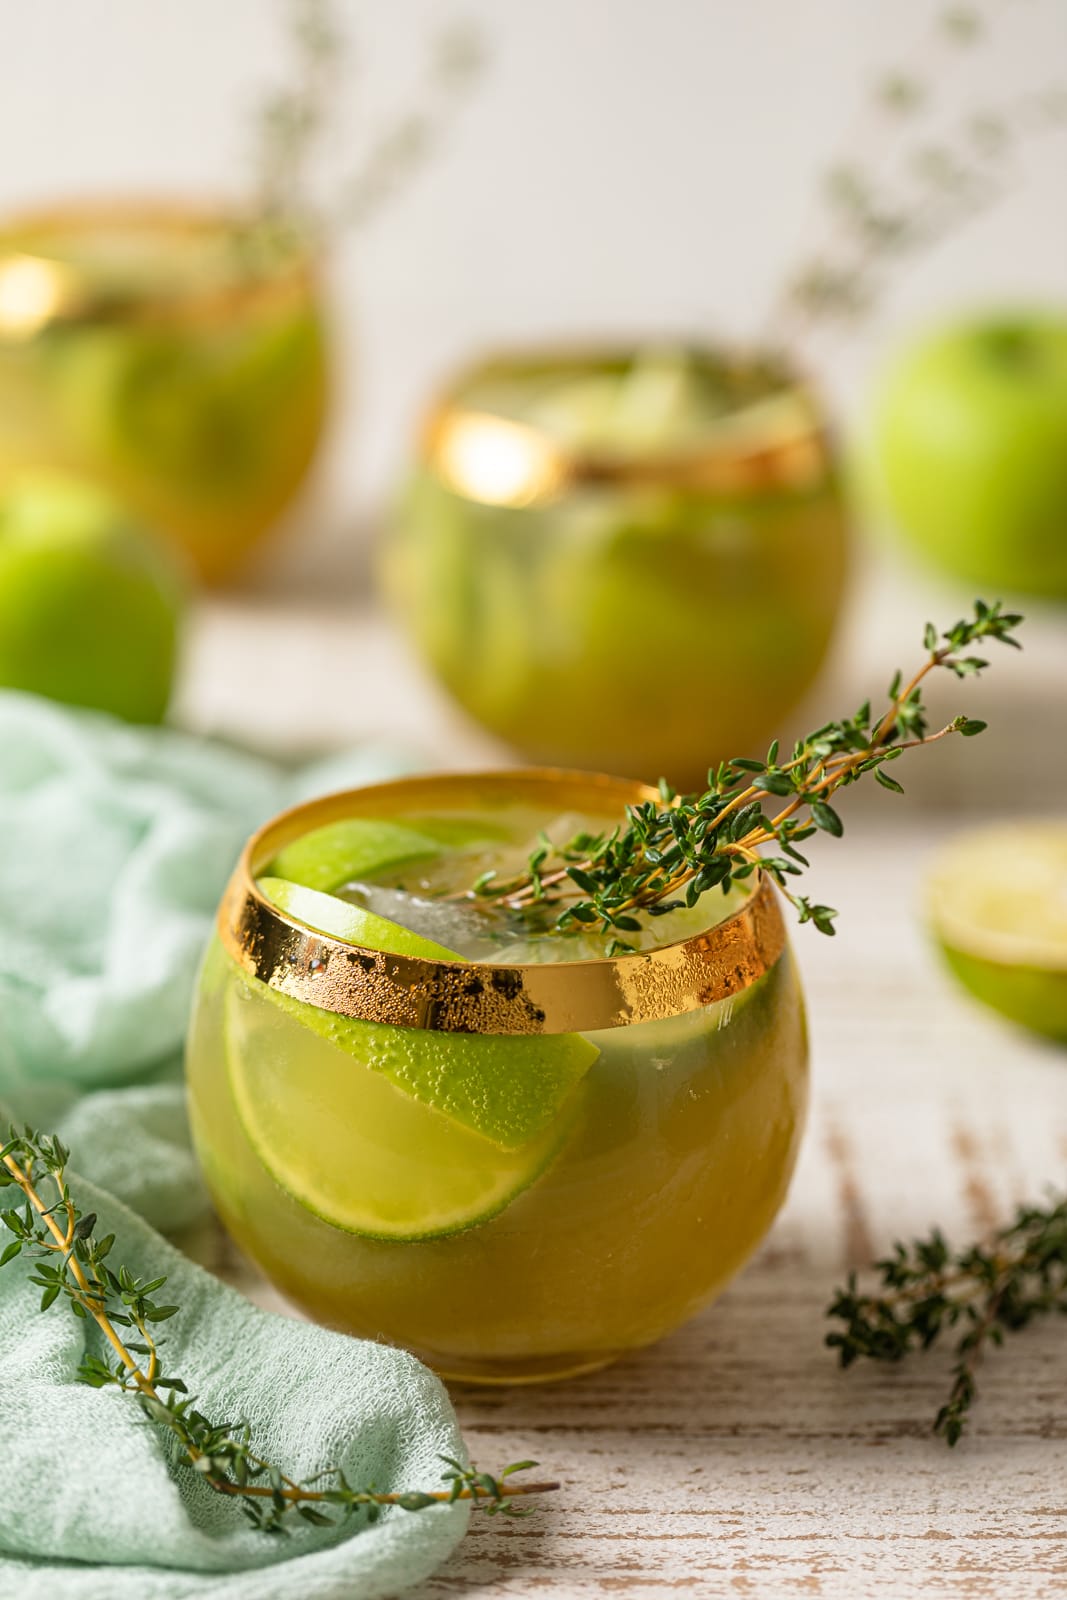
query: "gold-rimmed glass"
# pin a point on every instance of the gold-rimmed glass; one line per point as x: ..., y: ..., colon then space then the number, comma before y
x: 649, y: 1180
x: 174, y: 355
x: 650, y: 588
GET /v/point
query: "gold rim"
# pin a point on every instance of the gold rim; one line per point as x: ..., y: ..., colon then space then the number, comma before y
x: 454, y: 997
x: 39, y: 289
x: 777, y: 441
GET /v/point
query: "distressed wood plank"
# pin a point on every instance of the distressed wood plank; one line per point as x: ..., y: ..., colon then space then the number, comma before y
x: 734, y: 1459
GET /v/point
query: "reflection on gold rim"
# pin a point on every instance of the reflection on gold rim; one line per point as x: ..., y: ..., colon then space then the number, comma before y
x: 452, y: 997
x: 780, y: 441
x: 39, y: 289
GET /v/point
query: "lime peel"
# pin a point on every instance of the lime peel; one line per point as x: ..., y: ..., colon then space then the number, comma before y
x: 509, y: 1089
x: 1000, y: 894
x: 341, y: 851
x: 349, y: 1146
x: 997, y: 903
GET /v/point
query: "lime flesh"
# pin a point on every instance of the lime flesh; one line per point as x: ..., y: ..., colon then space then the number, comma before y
x: 350, y: 1146
x: 998, y: 909
x: 392, y: 1132
x: 339, y: 852
x: 359, y: 847
x: 507, y: 1088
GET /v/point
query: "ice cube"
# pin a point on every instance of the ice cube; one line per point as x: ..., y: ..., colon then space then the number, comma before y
x: 471, y: 933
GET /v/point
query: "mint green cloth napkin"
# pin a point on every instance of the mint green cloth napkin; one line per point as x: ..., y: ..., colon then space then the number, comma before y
x: 90, y: 1508
x: 115, y: 843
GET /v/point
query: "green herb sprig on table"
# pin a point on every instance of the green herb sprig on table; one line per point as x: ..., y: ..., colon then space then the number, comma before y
x: 72, y: 1264
x: 670, y: 853
x: 975, y: 1295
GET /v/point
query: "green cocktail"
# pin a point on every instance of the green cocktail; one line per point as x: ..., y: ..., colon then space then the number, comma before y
x: 513, y: 1153
x: 176, y: 358
x: 574, y: 519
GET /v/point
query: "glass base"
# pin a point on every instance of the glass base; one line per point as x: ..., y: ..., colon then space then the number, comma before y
x: 521, y: 1370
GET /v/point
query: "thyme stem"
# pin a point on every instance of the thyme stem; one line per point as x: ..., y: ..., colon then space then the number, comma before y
x: 908, y: 177
x: 295, y: 122
x: 981, y: 1292
x: 64, y: 1242
x: 71, y: 1261
x: 685, y: 845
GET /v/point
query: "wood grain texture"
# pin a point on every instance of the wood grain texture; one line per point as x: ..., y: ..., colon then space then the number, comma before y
x: 734, y: 1458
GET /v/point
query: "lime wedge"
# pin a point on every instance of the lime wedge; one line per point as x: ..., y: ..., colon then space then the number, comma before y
x: 335, y: 854
x: 326, y: 913
x: 350, y: 1146
x: 997, y: 902
x: 509, y: 1090
x: 358, y: 847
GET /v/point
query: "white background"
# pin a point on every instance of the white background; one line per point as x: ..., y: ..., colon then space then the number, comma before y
x: 622, y: 166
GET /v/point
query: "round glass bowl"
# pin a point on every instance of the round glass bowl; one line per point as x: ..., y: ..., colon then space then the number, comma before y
x: 518, y: 1171
x: 632, y: 561
x: 175, y: 357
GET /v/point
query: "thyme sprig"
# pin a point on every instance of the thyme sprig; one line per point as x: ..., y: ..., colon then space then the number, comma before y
x: 908, y: 180
x: 979, y: 1294
x: 668, y: 853
x: 72, y: 1262
x: 294, y: 122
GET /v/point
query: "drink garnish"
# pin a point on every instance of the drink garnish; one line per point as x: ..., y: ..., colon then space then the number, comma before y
x: 667, y: 853
x: 72, y: 1264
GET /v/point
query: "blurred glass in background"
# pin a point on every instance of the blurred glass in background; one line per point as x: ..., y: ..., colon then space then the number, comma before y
x: 633, y: 559
x: 625, y: 560
x: 174, y: 357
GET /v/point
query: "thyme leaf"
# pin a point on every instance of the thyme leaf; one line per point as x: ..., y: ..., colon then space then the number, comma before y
x: 670, y: 851
x: 974, y: 1296
x: 71, y: 1265
x: 294, y: 124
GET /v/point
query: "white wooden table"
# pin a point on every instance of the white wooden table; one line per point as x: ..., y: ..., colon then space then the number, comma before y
x: 734, y: 1458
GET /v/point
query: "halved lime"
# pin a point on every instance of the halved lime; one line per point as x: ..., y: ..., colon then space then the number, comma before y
x: 399, y: 1133
x: 998, y: 908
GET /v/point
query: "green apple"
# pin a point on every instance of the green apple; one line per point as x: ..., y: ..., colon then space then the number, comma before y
x: 90, y: 603
x: 971, y: 440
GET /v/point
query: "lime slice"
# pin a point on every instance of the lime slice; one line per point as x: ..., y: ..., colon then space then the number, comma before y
x: 998, y: 907
x: 326, y: 913
x: 508, y: 1089
x: 357, y: 847
x: 342, y: 851
x: 184, y: 411
x: 349, y: 1145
